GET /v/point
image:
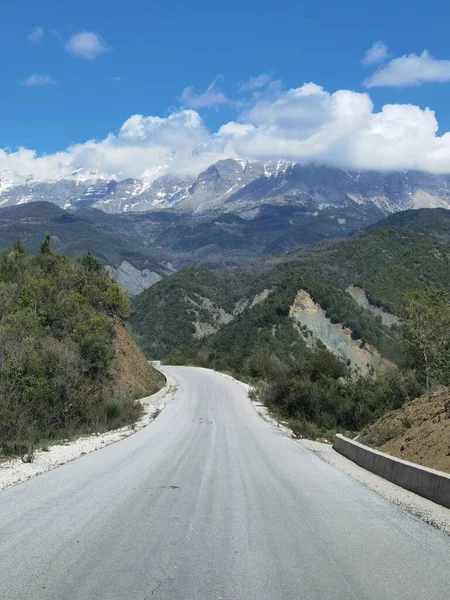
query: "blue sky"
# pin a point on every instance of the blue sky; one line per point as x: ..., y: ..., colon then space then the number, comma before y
x: 60, y: 89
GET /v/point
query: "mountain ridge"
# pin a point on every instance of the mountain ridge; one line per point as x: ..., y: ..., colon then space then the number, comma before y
x: 233, y: 185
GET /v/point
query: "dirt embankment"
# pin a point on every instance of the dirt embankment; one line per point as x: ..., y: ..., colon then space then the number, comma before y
x: 419, y: 432
x: 132, y: 374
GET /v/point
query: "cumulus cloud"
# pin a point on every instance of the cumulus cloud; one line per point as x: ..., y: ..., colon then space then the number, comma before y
x: 377, y: 53
x: 411, y: 69
x: 210, y: 98
x: 305, y: 124
x: 36, y: 80
x: 36, y: 34
x: 86, y: 44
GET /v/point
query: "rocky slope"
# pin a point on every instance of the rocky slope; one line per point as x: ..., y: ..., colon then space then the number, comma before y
x: 362, y: 358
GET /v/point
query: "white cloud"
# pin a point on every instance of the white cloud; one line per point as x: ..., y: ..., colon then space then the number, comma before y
x: 36, y: 80
x: 306, y: 124
x: 86, y: 44
x: 210, y: 98
x: 377, y: 53
x: 36, y: 34
x: 256, y: 83
x: 235, y: 130
x: 410, y: 70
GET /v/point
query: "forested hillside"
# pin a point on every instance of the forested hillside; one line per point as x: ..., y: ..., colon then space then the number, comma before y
x: 63, y: 347
x: 246, y: 321
x: 387, y: 263
x: 72, y: 235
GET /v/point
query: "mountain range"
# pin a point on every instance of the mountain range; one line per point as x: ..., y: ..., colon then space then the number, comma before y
x: 239, y: 187
x: 230, y: 214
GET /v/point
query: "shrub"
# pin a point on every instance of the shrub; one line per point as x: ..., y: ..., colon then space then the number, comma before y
x: 56, y: 348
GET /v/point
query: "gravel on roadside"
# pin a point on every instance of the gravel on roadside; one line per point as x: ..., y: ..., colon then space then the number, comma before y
x: 13, y: 471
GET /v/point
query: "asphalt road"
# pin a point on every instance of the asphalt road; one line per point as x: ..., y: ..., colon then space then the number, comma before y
x: 211, y: 502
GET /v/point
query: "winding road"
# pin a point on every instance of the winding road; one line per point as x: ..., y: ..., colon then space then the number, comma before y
x: 210, y: 502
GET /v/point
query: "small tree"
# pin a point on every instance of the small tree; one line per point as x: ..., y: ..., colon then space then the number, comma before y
x: 45, y: 246
x: 427, y: 333
x: 19, y: 248
x: 90, y: 263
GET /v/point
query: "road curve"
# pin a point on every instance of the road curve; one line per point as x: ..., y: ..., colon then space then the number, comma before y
x: 211, y: 502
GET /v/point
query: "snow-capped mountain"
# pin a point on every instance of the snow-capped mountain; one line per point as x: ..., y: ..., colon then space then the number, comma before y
x: 239, y: 186
x: 132, y: 195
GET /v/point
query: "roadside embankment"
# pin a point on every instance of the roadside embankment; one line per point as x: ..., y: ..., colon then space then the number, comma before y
x: 13, y: 471
x: 428, y: 483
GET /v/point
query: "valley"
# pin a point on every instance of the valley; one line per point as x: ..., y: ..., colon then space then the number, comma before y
x: 323, y: 317
x: 318, y: 330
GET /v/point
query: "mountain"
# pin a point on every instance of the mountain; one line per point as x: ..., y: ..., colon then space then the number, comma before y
x: 214, y: 186
x: 132, y: 195
x: 359, y: 282
x: 240, y: 187
x: 74, y: 234
x: 141, y: 247
x: 320, y: 185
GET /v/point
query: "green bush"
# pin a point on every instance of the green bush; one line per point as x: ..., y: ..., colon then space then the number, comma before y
x: 56, y: 348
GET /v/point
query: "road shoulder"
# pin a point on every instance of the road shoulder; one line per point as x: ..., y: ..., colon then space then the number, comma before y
x: 14, y: 471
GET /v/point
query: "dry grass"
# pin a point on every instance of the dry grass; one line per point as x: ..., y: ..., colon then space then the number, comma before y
x: 419, y: 432
x: 133, y: 376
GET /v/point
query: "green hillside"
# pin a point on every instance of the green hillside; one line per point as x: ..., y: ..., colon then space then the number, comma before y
x: 386, y: 262
x: 62, y: 350
x: 435, y: 221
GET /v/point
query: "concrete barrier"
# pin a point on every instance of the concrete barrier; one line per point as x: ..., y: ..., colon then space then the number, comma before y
x: 428, y: 483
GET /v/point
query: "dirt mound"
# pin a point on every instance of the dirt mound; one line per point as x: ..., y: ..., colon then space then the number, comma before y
x: 132, y: 374
x: 418, y: 432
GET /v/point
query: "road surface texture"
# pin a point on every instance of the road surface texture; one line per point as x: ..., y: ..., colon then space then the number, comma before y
x: 211, y: 502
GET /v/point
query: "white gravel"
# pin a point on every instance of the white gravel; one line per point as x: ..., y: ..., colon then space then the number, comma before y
x: 263, y: 411
x: 15, y: 471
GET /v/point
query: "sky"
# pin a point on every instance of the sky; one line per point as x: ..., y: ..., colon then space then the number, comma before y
x: 141, y: 89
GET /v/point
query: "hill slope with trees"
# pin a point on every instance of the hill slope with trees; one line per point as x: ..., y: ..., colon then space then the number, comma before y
x: 63, y: 350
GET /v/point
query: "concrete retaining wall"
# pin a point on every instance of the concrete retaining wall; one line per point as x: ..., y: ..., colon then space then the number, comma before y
x: 428, y: 483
